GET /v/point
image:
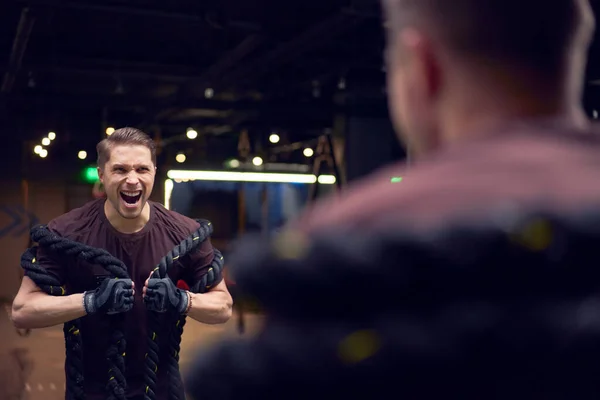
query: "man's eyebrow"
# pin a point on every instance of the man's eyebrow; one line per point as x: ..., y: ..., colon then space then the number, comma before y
x: 127, y: 166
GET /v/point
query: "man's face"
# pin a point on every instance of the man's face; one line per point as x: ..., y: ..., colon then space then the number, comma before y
x: 128, y: 179
x: 412, y: 84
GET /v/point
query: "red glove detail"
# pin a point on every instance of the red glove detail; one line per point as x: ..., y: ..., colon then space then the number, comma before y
x: 181, y: 284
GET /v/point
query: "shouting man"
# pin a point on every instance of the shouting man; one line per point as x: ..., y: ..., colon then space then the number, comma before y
x: 139, y: 232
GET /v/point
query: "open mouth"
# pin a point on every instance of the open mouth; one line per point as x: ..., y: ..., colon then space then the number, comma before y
x: 131, y: 198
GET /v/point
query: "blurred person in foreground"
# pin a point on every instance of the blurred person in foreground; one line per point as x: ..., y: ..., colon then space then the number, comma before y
x: 487, y: 96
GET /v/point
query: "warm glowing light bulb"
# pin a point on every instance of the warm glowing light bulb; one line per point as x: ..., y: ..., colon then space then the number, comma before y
x: 257, y: 161
x: 308, y: 152
x: 82, y: 155
x: 191, y: 134
x: 180, y: 158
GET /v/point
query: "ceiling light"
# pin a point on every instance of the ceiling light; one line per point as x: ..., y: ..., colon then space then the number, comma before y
x: 191, y: 134
x: 230, y: 176
x: 180, y: 158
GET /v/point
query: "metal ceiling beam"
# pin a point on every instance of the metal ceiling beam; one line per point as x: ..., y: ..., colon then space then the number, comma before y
x: 224, y: 63
x: 229, y: 60
x: 121, y: 68
x: 203, y: 19
x: 316, y: 36
x: 86, y: 100
x: 276, y: 110
x: 136, y: 75
x: 19, y: 47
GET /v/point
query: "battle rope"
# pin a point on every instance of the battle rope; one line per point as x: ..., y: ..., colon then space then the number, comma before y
x: 74, y: 352
x: 213, y: 275
x: 117, y: 384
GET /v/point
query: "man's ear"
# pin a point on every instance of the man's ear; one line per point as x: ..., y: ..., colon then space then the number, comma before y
x: 101, y: 174
x: 425, y: 60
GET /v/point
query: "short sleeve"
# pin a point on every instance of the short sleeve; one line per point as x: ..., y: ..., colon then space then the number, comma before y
x: 54, y: 264
x: 199, y: 263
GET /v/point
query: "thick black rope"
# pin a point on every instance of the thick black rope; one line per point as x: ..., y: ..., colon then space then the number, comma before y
x: 116, y: 386
x: 116, y: 352
x: 73, y: 343
x: 213, y: 275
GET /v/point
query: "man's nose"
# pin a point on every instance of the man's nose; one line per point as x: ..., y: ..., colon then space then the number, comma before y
x: 132, y: 179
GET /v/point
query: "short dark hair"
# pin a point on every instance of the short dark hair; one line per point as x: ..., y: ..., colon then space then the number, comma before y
x: 124, y: 136
x: 534, y: 34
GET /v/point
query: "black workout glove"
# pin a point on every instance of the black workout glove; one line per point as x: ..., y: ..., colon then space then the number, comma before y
x: 113, y: 296
x: 162, y: 295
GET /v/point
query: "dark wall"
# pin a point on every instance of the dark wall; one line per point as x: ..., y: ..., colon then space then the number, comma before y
x: 219, y: 207
x: 371, y: 143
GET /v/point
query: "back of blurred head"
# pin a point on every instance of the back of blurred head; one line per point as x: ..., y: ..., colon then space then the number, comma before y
x: 456, y: 68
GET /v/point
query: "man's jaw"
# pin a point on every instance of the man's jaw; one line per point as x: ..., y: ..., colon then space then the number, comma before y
x: 127, y: 219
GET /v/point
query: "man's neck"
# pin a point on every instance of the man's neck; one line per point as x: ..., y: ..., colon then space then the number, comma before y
x: 474, y: 123
x: 126, y: 225
x: 504, y: 97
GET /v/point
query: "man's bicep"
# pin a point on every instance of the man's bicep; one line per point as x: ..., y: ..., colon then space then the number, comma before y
x: 220, y: 287
x: 54, y: 267
x: 27, y: 291
x: 27, y: 287
x: 53, y: 264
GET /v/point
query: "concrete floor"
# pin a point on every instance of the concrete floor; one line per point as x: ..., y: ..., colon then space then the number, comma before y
x: 45, y: 348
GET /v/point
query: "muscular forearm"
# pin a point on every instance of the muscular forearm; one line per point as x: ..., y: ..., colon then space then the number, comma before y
x: 40, y: 310
x: 211, y: 308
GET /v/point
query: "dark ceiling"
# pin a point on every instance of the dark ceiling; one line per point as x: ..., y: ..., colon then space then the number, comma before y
x: 76, y: 67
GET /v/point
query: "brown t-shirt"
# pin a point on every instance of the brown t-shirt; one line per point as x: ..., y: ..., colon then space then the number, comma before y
x: 140, y: 252
x: 522, y: 166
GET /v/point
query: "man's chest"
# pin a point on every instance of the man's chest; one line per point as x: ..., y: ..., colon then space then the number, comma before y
x: 140, y: 256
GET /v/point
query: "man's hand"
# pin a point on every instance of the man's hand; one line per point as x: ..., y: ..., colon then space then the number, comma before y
x: 161, y: 295
x: 113, y: 296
